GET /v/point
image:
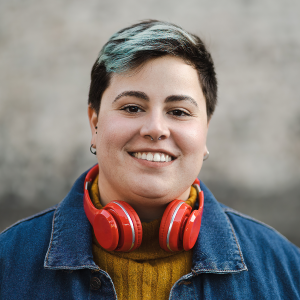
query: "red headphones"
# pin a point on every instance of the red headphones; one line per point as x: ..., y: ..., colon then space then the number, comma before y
x: 118, y: 227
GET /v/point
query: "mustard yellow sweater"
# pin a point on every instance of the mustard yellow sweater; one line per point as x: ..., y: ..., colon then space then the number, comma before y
x: 148, y: 272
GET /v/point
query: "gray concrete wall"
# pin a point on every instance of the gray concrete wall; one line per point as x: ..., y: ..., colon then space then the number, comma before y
x: 47, y: 49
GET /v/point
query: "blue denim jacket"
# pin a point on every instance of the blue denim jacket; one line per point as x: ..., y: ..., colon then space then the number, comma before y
x: 49, y: 256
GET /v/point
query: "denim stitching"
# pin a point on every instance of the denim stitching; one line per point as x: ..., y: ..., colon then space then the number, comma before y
x: 183, y: 278
x: 220, y: 271
x: 238, y: 245
x: 90, y: 267
x: 52, y: 233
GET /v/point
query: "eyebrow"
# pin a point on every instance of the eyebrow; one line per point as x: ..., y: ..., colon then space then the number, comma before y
x: 136, y: 94
x: 143, y: 96
x: 174, y: 98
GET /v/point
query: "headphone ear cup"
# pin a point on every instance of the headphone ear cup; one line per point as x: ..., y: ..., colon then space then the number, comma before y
x: 106, y: 230
x: 191, y: 230
x: 172, y: 225
x: 128, y: 223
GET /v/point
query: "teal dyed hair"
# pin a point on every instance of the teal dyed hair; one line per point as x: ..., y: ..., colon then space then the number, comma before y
x: 133, y: 46
x: 118, y: 54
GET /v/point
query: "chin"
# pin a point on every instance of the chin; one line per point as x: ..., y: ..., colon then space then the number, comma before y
x: 152, y: 193
x: 155, y: 194
x: 150, y: 190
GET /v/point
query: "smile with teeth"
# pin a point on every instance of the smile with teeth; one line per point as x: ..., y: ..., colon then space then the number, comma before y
x: 152, y: 156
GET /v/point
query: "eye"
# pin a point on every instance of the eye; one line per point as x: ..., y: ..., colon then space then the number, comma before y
x: 132, y: 109
x: 179, y: 113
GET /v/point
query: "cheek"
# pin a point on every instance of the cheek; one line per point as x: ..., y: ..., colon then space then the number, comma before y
x: 114, y: 132
x: 192, y: 139
x: 192, y: 144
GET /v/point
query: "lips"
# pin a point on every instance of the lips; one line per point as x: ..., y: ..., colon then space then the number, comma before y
x: 153, y: 156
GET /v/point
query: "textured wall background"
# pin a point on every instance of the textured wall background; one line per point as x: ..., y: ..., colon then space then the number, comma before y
x: 47, y: 49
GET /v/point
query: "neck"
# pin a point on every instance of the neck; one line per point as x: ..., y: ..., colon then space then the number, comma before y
x: 148, y: 209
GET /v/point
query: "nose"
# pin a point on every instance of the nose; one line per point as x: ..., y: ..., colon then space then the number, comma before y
x: 155, y: 127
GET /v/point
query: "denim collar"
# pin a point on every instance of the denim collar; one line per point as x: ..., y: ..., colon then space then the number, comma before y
x: 70, y: 245
x: 216, y: 251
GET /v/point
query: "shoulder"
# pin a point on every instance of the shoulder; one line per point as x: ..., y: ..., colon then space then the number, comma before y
x: 271, y: 259
x: 27, y: 236
x: 267, y: 253
x: 252, y: 230
x: 29, y: 222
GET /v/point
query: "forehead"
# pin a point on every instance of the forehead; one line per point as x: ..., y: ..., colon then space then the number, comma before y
x: 160, y: 77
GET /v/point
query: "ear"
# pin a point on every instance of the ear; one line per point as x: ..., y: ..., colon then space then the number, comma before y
x: 93, y: 120
x: 205, y: 148
x: 208, y: 121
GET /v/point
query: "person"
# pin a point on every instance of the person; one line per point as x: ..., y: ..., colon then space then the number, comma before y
x: 129, y: 227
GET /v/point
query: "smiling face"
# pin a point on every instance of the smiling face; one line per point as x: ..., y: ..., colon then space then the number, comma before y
x: 151, y: 135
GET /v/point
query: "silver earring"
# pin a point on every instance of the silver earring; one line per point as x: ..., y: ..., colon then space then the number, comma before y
x: 93, y: 152
x: 206, y: 156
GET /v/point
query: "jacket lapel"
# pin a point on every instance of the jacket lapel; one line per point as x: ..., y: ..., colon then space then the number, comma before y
x: 217, y: 249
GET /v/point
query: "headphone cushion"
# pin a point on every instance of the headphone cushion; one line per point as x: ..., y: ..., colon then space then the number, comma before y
x: 128, y: 223
x: 171, y: 226
x: 136, y: 223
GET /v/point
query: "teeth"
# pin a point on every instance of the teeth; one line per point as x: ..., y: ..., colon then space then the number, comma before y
x: 157, y: 157
x: 150, y: 156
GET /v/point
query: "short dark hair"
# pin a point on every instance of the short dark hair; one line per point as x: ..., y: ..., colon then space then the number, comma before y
x: 131, y: 47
